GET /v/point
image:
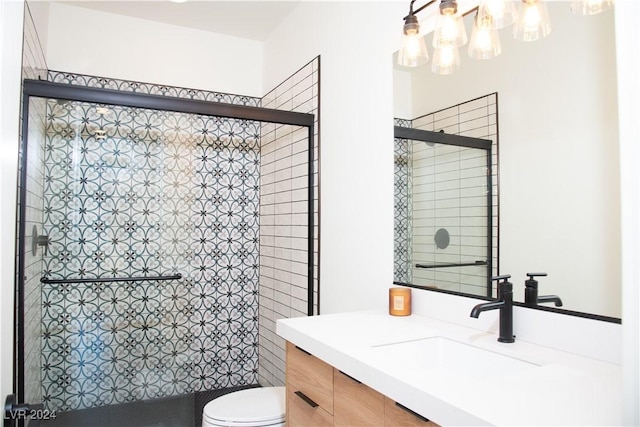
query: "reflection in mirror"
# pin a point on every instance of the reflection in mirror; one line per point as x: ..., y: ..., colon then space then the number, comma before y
x: 559, y: 200
x: 443, y: 205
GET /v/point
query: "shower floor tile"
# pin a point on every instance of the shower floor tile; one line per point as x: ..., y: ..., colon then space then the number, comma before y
x: 178, y: 411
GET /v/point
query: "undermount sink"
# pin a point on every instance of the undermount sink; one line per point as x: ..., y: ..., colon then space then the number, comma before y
x: 439, y: 353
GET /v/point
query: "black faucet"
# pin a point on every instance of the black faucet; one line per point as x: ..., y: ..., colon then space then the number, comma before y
x: 531, y: 297
x: 505, y: 304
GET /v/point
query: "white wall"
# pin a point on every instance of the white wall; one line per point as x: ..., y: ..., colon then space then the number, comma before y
x: 356, y: 131
x: 90, y: 42
x: 559, y: 188
x: 11, y: 21
x: 40, y: 14
x: 402, y: 108
x: 628, y: 61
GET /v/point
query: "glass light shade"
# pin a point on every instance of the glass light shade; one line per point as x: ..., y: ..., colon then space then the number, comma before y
x: 501, y: 12
x: 485, y: 42
x: 413, y: 51
x: 590, y: 7
x: 446, y: 60
x: 449, y: 30
x: 533, y: 21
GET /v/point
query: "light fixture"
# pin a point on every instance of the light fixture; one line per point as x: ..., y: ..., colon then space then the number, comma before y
x: 413, y: 51
x: 590, y: 7
x: 533, y: 21
x: 485, y: 42
x: 446, y: 60
x: 501, y: 12
x: 449, y: 30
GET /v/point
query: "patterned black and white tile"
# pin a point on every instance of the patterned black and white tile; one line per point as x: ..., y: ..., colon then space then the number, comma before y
x: 132, y: 192
x: 402, y: 206
x: 150, y: 88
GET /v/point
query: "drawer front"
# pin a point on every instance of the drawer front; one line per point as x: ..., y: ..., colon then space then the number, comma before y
x: 311, y: 376
x: 355, y: 404
x: 300, y: 412
x: 399, y: 416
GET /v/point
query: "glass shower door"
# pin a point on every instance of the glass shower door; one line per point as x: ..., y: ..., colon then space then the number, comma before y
x: 33, y: 244
x: 143, y: 280
x: 449, y: 217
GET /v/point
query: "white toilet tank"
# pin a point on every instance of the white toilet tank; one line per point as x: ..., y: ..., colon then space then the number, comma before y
x: 254, y: 407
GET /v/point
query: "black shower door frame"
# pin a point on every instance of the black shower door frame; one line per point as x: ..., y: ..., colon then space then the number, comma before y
x: 68, y: 92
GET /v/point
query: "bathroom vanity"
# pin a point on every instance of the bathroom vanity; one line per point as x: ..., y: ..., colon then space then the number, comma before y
x: 321, y: 395
x: 368, y: 368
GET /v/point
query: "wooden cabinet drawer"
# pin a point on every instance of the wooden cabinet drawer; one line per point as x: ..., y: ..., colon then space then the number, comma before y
x: 399, y: 416
x: 302, y: 413
x: 355, y: 404
x: 320, y: 395
x: 311, y: 376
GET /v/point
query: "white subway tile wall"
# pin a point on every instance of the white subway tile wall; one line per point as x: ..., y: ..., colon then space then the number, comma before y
x: 284, y: 217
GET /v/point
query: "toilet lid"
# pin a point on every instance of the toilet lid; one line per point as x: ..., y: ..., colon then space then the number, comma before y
x: 254, y: 405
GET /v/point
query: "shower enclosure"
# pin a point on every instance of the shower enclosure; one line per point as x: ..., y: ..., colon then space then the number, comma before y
x: 140, y: 240
x: 443, y: 211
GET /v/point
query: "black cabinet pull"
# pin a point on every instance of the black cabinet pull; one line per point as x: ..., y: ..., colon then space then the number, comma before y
x: 415, y: 414
x: 350, y: 377
x: 304, y: 397
x: 304, y: 351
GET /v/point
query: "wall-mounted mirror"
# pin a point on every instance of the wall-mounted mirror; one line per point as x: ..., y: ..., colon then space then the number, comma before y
x: 558, y: 204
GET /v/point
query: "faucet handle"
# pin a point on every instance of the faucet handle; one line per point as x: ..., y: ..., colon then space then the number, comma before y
x: 531, y: 282
x: 505, y: 287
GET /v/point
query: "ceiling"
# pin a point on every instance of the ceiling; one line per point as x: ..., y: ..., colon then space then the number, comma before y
x: 253, y: 20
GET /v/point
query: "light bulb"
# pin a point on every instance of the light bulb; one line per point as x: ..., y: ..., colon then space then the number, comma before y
x: 413, y: 45
x: 532, y: 17
x: 533, y: 21
x: 446, y: 60
x: 501, y: 12
x: 449, y: 27
x: 413, y: 51
x: 485, y: 42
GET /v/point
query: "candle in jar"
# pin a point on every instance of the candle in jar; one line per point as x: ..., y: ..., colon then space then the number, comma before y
x: 399, y: 301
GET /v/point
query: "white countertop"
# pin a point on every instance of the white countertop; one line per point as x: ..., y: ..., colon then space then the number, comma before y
x: 562, y: 388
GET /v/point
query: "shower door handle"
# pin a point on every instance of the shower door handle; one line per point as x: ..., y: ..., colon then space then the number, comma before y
x: 14, y: 411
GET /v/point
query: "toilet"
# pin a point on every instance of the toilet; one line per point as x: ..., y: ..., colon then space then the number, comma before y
x: 253, y: 407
